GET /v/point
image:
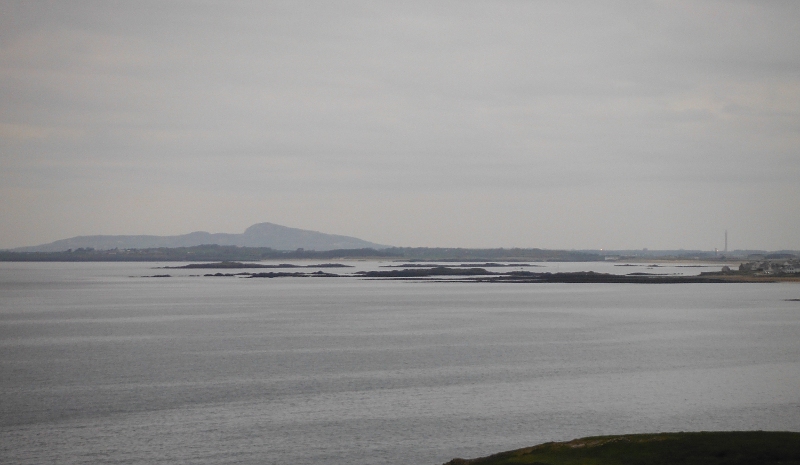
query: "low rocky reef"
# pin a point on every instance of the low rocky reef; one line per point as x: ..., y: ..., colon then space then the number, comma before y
x: 475, y: 274
x: 274, y: 274
x: 237, y: 265
x: 483, y: 275
x: 426, y: 272
x: 706, y: 448
x: 464, y: 265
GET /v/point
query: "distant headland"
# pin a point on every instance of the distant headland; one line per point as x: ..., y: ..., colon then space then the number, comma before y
x: 261, y: 235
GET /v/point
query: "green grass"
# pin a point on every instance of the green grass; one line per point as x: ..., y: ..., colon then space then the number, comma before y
x: 704, y: 448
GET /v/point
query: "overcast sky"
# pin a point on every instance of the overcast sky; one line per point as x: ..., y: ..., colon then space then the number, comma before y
x: 547, y: 124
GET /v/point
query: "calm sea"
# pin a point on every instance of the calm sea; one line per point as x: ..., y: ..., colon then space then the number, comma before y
x: 101, y: 365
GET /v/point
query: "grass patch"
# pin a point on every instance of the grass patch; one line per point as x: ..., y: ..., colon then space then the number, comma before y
x: 703, y: 448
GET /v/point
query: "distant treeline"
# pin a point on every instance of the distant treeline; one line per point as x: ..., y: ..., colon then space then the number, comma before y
x: 231, y: 253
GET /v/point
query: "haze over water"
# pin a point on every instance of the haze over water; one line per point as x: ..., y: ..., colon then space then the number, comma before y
x: 100, y: 366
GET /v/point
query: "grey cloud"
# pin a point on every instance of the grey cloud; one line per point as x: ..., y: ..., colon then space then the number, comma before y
x: 280, y: 100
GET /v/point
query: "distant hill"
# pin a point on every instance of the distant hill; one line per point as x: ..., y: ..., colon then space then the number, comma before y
x: 258, y: 235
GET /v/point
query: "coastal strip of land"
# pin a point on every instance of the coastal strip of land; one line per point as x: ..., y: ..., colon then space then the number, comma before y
x: 707, y: 448
x: 214, y: 252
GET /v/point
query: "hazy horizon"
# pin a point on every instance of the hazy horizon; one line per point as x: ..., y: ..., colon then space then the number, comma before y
x: 557, y: 125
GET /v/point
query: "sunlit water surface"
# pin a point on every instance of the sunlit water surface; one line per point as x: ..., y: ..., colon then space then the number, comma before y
x: 100, y: 365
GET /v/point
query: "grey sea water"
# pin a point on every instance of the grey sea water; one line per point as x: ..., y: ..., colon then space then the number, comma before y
x: 100, y: 365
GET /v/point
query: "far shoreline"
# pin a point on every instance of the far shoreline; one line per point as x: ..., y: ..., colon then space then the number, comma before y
x: 466, y: 274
